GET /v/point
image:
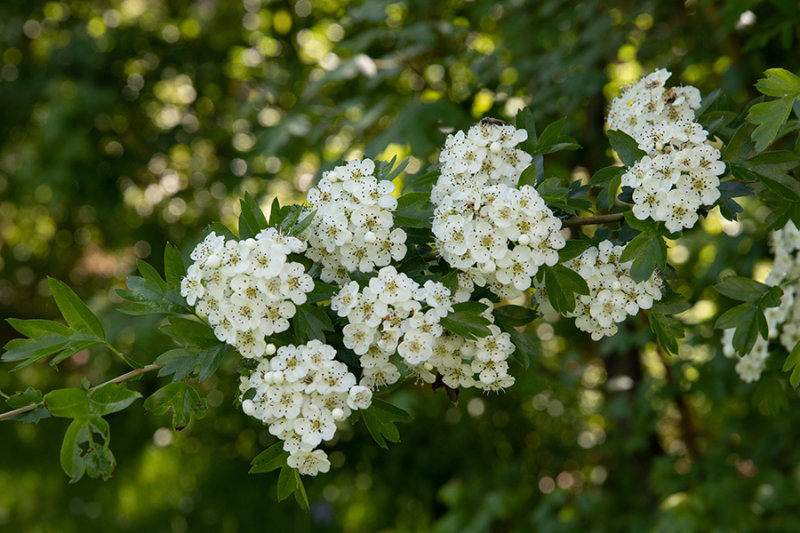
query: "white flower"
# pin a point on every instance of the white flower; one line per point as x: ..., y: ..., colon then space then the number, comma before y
x: 309, y: 463
x: 359, y: 397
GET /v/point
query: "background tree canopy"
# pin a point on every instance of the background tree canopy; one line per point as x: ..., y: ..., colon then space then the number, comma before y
x: 130, y: 123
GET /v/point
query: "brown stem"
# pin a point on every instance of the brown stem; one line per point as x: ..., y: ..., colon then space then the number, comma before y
x: 118, y: 379
x: 585, y: 221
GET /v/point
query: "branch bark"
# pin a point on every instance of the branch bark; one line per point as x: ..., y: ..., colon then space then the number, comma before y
x: 586, y: 221
x: 119, y: 379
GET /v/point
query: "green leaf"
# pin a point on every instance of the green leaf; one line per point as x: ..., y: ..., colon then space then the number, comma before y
x: 275, y: 213
x: 414, y: 210
x: 311, y: 322
x: 111, y: 398
x: 72, y: 460
x: 562, y: 284
x: 525, y: 121
x: 300, y: 495
x: 286, y: 483
x: 38, y: 328
x: 779, y: 83
x: 748, y: 321
x: 182, y: 399
x: 31, y: 350
x: 251, y: 219
x: 190, y: 332
x: 525, y: 343
x: 380, y: 420
x: 465, y: 320
x: 321, y: 292
x: 23, y: 399
x: 302, y: 223
x: 769, y: 117
x: 78, y: 316
x: 150, y: 295
x: 95, y: 459
x: 667, y: 330
x: 209, y: 360
x: 740, y: 144
x: 514, y: 315
x: 383, y: 169
x: 67, y: 403
x: 270, y: 459
x: 174, y: 268
x: 180, y: 362
x: 626, y: 147
x: 528, y: 176
x: 572, y: 249
x: 741, y: 289
x: 648, y: 251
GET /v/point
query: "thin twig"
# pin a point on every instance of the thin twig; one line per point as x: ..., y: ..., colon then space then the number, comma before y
x: 118, y: 379
x: 585, y: 221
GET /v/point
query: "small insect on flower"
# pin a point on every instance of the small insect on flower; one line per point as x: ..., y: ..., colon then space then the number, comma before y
x: 492, y: 121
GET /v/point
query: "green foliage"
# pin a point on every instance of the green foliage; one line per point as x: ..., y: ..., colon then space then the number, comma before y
x: 182, y: 399
x: 414, y: 210
x: 748, y: 318
x: 465, y: 319
x: 380, y: 420
x: 626, y: 148
x: 152, y: 294
x: 668, y: 329
x: 23, y: 399
x: 770, y: 116
x: 48, y: 338
x: 311, y: 322
x: 562, y: 285
x: 85, y: 448
x: 648, y: 251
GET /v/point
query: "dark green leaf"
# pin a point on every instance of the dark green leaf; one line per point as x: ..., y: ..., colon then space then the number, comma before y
x: 184, y: 401
x: 287, y: 483
x: 514, y: 315
x: 179, y: 362
x: 321, y: 292
x: 251, y: 219
x: 742, y: 289
x: 562, y: 284
x: 189, y: 332
x: 648, y: 251
x: 174, y: 269
x: 414, y: 210
x: 626, y: 147
x: 78, y: 316
x: 572, y: 249
x: 465, y: 320
x: 270, y: 459
x: 311, y: 322
x: 380, y: 420
x: 208, y: 360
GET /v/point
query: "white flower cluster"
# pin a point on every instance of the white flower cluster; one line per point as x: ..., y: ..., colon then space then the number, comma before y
x: 352, y: 228
x: 613, y: 295
x: 485, y: 155
x: 394, y: 314
x: 784, y: 320
x: 679, y: 173
x: 247, y: 290
x: 483, y: 224
x: 301, y: 393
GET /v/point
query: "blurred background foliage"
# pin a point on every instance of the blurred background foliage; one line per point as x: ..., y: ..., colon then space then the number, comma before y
x: 129, y: 123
